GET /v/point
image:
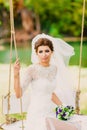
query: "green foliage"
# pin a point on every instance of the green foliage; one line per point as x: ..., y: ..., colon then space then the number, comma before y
x: 65, y: 16
x: 0, y: 23
x: 5, y: 3
x: 75, y: 59
x: 1, y: 1
x: 18, y: 116
x: 58, y: 17
x: 25, y: 55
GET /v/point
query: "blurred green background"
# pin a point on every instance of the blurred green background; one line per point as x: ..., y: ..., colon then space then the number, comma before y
x: 24, y: 54
x: 61, y: 19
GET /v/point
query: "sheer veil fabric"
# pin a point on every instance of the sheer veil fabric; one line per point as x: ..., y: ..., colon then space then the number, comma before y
x: 61, y: 56
x: 62, y: 50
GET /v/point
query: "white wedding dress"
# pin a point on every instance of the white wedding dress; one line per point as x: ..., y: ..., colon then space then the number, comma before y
x: 40, y: 113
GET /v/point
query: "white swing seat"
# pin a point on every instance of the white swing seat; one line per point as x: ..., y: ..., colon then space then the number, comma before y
x: 15, y: 108
x: 82, y: 120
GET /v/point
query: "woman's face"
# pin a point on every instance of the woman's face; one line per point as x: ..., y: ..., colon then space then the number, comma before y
x: 44, y: 54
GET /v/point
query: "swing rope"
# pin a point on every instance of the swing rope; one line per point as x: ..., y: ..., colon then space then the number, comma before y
x: 13, y: 39
x: 9, y: 84
x: 80, y: 62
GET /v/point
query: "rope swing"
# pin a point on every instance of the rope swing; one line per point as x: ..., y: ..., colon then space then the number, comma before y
x: 13, y: 39
x: 80, y: 62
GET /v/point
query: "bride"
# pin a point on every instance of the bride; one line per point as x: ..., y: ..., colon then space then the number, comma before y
x: 50, y: 84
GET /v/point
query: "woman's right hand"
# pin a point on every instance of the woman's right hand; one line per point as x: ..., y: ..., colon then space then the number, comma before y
x: 16, y: 68
x: 17, y: 87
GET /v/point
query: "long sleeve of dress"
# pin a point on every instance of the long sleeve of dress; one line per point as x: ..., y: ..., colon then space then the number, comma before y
x: 26, y: 78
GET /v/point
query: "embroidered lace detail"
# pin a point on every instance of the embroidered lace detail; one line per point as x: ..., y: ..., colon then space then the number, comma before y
x: 44, y: 72
x: 35, y: 72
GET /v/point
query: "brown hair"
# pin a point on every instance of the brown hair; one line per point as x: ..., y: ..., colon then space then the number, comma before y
x: 43, y: 42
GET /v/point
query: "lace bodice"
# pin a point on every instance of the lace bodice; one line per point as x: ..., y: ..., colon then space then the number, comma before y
x: 35, y: 72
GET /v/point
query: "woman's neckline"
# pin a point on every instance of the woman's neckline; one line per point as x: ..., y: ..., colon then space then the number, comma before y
x: 47, y: 66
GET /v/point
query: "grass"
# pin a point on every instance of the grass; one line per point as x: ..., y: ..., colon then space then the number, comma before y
x: 24, y: 54
x: 18, y: 116
x: 75, y: 59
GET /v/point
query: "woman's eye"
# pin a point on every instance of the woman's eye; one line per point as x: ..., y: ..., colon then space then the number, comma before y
x: 40, y: 51
x: 47, y: 51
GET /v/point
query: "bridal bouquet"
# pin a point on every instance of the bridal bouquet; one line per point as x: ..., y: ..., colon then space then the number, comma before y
x: 64, y: 112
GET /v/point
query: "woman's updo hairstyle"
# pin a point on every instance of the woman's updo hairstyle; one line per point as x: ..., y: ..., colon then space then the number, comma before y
x: 43, y: 42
